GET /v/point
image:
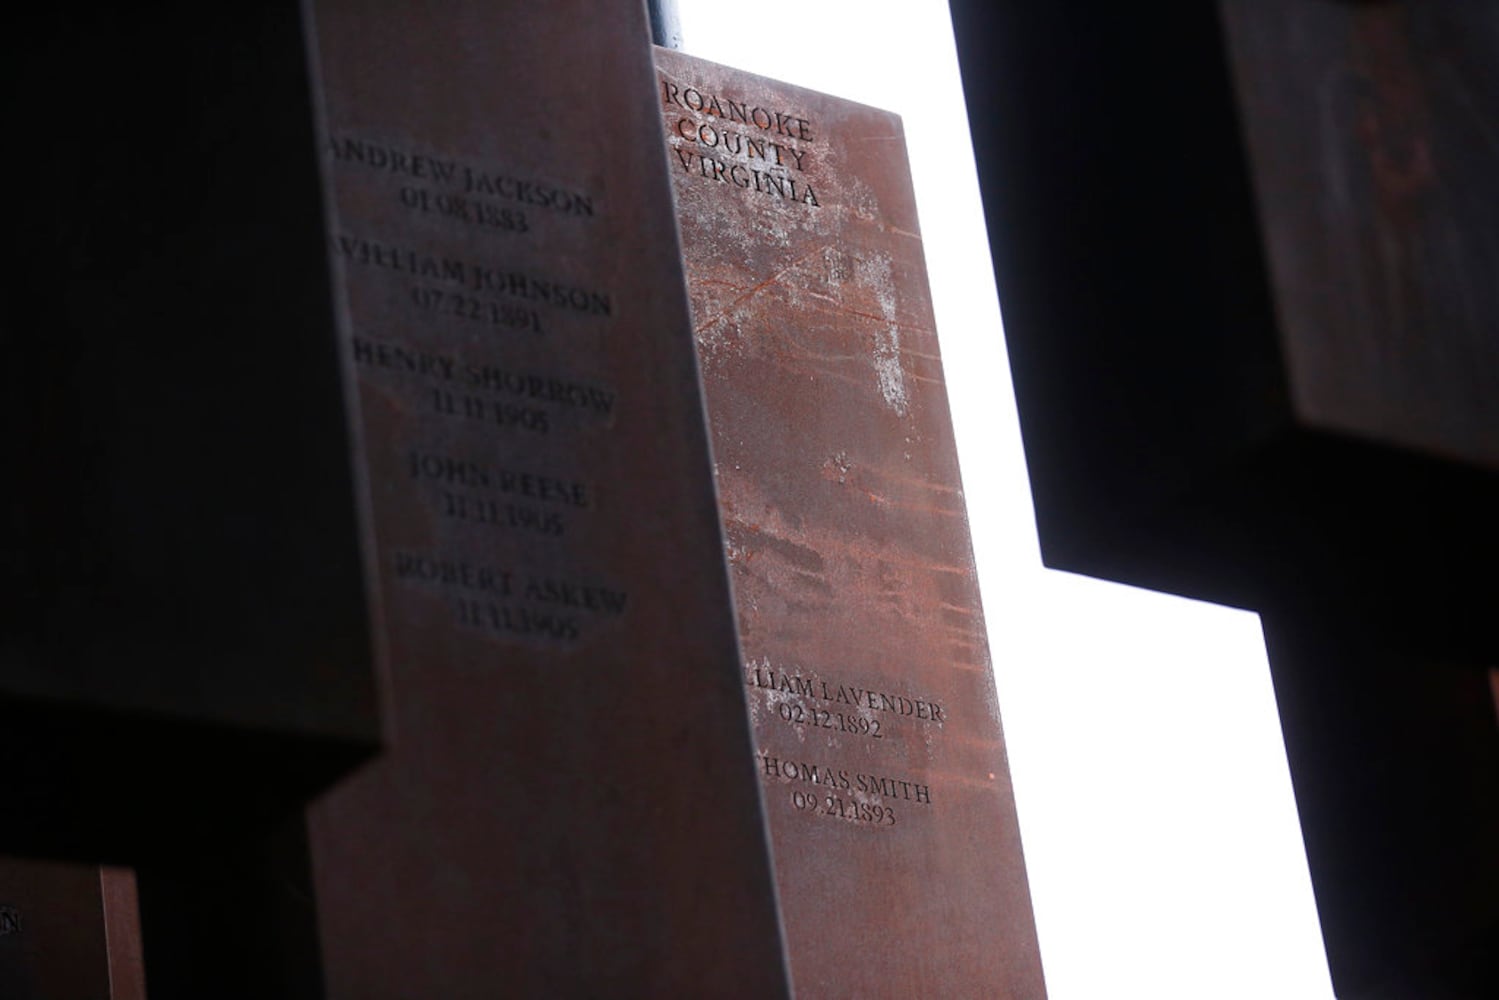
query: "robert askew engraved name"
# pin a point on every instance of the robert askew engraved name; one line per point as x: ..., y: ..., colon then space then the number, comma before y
x: 512, y: 602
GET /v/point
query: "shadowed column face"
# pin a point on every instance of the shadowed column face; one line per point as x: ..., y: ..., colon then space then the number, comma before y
x: 878, y: 742
x: 1247, y: 272
x: 569, y: 805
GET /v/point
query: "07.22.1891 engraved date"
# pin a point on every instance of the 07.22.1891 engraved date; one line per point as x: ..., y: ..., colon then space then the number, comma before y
x: 480, y: 310
x: 837, y: 807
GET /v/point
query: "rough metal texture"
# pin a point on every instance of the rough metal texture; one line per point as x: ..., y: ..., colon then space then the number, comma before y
x: 68, y: 932
x: 878, y: 741
x: 569, y: 807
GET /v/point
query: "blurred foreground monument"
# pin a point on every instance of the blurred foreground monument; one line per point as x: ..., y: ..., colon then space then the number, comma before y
x: 1248, y: 255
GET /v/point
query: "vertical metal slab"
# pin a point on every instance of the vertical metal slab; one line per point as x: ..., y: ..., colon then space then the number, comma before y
x: 122, y: 933
x: 184, y: 643
x: 878, y: 739
x: 569, y: 806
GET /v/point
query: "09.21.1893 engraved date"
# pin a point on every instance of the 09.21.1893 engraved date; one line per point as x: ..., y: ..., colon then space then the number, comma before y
x: 837, y: 807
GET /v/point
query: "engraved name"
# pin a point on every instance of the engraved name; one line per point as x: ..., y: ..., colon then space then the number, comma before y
x: 768, y: 678
x: 518, y: 392
x: 458, y: 190
x: 499, y: 497
x: 843, y: 794
x: 511, y: 602
x: 472, y: 277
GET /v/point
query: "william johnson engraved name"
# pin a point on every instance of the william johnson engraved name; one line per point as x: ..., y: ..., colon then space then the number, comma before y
x: 469, y: 276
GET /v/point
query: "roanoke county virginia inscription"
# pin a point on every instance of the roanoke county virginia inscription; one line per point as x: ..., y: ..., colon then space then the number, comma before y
x: 877, y: 735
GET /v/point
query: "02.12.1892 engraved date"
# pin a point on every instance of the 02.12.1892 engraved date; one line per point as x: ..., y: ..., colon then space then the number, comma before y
x: 798, y: 715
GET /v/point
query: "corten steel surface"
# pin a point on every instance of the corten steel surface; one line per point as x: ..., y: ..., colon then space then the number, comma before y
x: 68, y: 932
x: 877, y: 734
x: 183, y: 638
x: 569, y: 806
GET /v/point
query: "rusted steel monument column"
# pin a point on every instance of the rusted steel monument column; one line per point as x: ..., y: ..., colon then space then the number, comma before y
x: 877, y: 735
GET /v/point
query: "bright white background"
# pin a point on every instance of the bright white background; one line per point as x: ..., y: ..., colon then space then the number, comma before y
x: 1160, y: 832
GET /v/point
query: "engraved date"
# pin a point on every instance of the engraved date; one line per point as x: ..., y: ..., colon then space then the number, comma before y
x: 798, y: 715
x: 837, y: 807
x: 478, y: 310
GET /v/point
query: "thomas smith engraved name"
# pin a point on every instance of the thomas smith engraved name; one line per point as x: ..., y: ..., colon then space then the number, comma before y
x: 854, y: 796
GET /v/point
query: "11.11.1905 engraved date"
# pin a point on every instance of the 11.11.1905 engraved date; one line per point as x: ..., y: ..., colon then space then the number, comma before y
x: 837, y: 807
